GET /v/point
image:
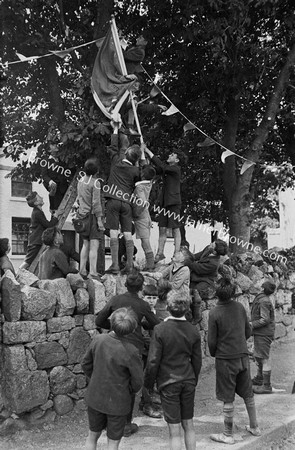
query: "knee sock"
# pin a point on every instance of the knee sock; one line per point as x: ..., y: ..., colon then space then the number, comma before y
x: 259, y: 370
x: 228, y: 413
x: 251, y: 410
x: 114, y: 245
x: 196, y: 306
x: 129, y: 252
x: 150, y: 261
x: 266, y: 378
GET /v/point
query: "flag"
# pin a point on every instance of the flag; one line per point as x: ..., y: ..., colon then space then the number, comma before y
x: 189, y: 126
x: 206, y: 143
x: 226, y: 154
x: 246, y: 165
x: 154, y: 91
x: 170, y: 111
x: 107, y: 81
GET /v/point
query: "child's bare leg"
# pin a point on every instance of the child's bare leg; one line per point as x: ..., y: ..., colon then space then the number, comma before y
x: 162, y: 240
x: 266, y: 387
x: 113, y: 445
x: 92, y: 439
x: 189, y: 434
x: 177, y: 239
x: 174, y: 436
x: 94, y: 245
x: 149, y: 255
x: 251, y: 410
x: 84, y: 256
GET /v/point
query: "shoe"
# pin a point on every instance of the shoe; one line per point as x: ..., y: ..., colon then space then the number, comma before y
x: 222, y: 438
x: 159, y: 257
x: 113, y: 269
x: 262, y: 389
x: 85, y: 277
x: 255, y: 431
x: 95, y: 277
x: 257, y: 381
x: 129, y: 429
x: 148, y: 410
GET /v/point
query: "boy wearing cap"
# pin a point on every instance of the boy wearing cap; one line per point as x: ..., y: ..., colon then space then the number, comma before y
x: 38, y: 224
x: 263, y: 330
x: 228, y: 331
x: 115, y: 370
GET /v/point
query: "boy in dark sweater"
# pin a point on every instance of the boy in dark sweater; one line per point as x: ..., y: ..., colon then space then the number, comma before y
x: 175, y: 361
x: 53, y: 262
x: 228, y: 331
x: 115, y: 370
x: 263, y: 330
x: 38, y: 224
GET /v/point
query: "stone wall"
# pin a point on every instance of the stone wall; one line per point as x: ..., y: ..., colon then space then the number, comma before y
x: 46, y: 327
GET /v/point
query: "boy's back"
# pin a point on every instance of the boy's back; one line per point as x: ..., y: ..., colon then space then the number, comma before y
x: 175, y: 352
x: 228, y: 330
x: 115, y: 369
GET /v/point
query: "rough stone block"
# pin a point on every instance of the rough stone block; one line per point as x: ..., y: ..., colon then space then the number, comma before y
x: 57, y: 324
x: 280, y: 331
x: 79, y: 342
x: 65, y: 299
x: 97, y: 298
x: 81, y: 381
x: 81, y: 405
x: 82, y: 301
x: 282, y: 297
x: 77, y: 368
x: 50, y: 354
x: 63, y: 404
x: 57, y: 336
x: 27, y: 331
x: 109, y: 282
x: 27, y: 278
x: 62, y: 380
x: 37, y: 304
x: 89, y: 322
x: 14, y: 358
x: 244, y: 300
x: 76, y: 281
x: 243, y: 281
x: 120, y: 286
x: 11, y: 297
x: 79, y: 320
x: 25, y: 390
x: 31, y: 362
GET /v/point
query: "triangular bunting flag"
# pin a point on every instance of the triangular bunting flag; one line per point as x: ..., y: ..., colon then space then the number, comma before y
x: 170, y: 111
x: 246, y: 165
x: 226, y: 154
x: 154, y: 91
x: 27, y: 58
x: 206, y: 143
x: 189, y: 126
x: 62, y: 53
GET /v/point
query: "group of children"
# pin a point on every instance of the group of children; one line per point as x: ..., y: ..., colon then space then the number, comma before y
x: 172, y: 359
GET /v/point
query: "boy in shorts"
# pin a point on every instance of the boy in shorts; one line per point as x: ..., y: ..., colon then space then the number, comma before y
x: 228, y: 331
x: 114, y: 367
x: 263, y: 330
x: 175, y: 361
x: 171, y: 201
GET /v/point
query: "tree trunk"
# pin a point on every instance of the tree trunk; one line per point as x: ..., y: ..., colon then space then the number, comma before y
x: 51, y: 78
x: 237, y: 186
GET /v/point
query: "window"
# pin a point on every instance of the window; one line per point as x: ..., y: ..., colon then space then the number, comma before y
x: 20, y: 233
x: 20, y: 188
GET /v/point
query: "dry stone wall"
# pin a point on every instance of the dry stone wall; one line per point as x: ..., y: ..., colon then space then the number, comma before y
x: 46, y: 327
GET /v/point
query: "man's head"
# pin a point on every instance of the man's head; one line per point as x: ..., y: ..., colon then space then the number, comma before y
x: 52, y: 236
x: 150, y: 294
x: 133, y: 154
x: 148, y: 172
x: 91, y: 166
x: 268, y: 287
x: 134, y: 281
x: 173, y: 158
x: 4, y: 246
x: 123, y: 321
x: 220, y: 247
x: 140, y: 41
x: 177, y: 303
x: 225, y: 290
x: 34, y: 199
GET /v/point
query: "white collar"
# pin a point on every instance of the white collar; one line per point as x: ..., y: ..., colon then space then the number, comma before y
x: 142, y: 182
x: 126, y: 160
x: 174, y: 318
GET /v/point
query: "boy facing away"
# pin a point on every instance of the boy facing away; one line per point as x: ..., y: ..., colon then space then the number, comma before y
x: 263, y: 330
x: 114, y: 367
x: 175, y: 361
x: 228, y: 331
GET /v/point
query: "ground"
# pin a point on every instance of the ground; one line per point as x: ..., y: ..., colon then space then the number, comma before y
x: 69, y: 432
